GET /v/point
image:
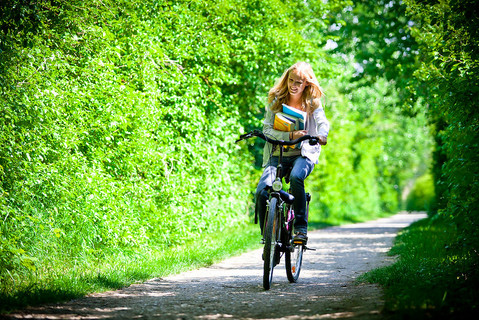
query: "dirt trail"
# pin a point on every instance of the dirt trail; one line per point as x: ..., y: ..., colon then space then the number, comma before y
x: 233, y: 289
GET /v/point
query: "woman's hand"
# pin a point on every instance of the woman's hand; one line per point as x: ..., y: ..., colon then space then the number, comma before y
x: 323, y: 140
x: 297, y: 134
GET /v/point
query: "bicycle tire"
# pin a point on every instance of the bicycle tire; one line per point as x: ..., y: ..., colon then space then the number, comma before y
x: 270, y: 234
x: 293, y: 262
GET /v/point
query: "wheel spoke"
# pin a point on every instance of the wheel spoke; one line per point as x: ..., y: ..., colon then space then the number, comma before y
x: 294, y: 260
x: 270, y: 237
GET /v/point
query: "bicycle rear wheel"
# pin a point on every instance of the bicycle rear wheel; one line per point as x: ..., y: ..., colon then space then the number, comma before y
x: 271, y: 234
x: 293, y: 262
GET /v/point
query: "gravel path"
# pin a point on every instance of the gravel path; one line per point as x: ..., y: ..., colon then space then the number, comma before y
x: 233, y: 288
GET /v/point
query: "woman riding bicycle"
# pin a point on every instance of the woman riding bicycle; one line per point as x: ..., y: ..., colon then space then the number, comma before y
x: 297, y: 88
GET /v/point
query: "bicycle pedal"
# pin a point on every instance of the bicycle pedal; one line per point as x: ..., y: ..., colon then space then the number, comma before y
x: 299, y: 242
x: 310, y: 249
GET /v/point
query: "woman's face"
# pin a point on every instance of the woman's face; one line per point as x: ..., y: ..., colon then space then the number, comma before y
x: 296, y: 84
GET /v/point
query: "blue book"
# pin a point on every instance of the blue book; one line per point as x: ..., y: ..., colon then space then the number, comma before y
x: 297, y: 114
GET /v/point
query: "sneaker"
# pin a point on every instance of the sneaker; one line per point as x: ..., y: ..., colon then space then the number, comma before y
x: 300, y: 238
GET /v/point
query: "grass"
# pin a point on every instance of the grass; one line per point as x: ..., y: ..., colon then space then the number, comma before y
x: 431, y: 277
x: 121, y: 269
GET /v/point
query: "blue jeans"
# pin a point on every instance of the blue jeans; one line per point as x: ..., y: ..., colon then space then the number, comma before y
x: 302, y: 167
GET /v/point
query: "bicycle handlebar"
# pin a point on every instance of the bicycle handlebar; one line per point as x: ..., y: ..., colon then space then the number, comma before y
x: 256, y: 133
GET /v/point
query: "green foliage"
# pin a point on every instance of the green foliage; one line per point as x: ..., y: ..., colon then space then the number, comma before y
x: 119, y: 120
x: 449, y: 37
x: 379, y: 139
x: 445, y: 78
x: 428, y: 279
x: 421, y: 196
x: 373, y: 150
x: 377, y: 36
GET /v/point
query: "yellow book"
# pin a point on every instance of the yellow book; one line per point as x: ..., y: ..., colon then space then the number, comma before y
x: 283, y: 123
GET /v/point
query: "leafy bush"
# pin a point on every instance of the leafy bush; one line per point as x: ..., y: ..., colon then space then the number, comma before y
x: 444, y: 75
x: 448, y: 35
x: 119, y: 124
x: 421, y: 197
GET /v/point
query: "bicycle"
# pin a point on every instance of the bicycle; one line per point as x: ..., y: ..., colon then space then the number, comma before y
x: 279, y: 219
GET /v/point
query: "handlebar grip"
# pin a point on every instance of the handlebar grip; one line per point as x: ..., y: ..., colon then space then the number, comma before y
x: 244, y: 136
x: 313, y: 141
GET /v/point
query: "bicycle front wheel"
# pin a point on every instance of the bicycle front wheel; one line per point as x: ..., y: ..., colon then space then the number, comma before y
x: 293, y: 262
x: 271, y: 234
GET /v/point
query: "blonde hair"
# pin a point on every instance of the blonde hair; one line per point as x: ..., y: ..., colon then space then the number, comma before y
x: 312, y: 93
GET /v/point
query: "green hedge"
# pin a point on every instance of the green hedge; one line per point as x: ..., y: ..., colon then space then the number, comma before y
x: 449, y: 68
x: 119, y: 119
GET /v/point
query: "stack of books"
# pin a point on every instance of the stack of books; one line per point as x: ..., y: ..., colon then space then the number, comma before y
x: 291, y: 119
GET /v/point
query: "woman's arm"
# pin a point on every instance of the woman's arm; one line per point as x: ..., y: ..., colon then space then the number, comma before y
x: 322, y: 123
x: 268, y: 127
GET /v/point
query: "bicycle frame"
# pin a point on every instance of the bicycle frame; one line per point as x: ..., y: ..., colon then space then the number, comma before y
x: 285, y: 212
x: 279, y: 178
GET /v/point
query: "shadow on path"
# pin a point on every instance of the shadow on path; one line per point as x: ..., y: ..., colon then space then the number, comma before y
x: 233, y: 289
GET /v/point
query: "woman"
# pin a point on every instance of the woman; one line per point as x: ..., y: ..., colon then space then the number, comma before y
x: 297, y: 88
